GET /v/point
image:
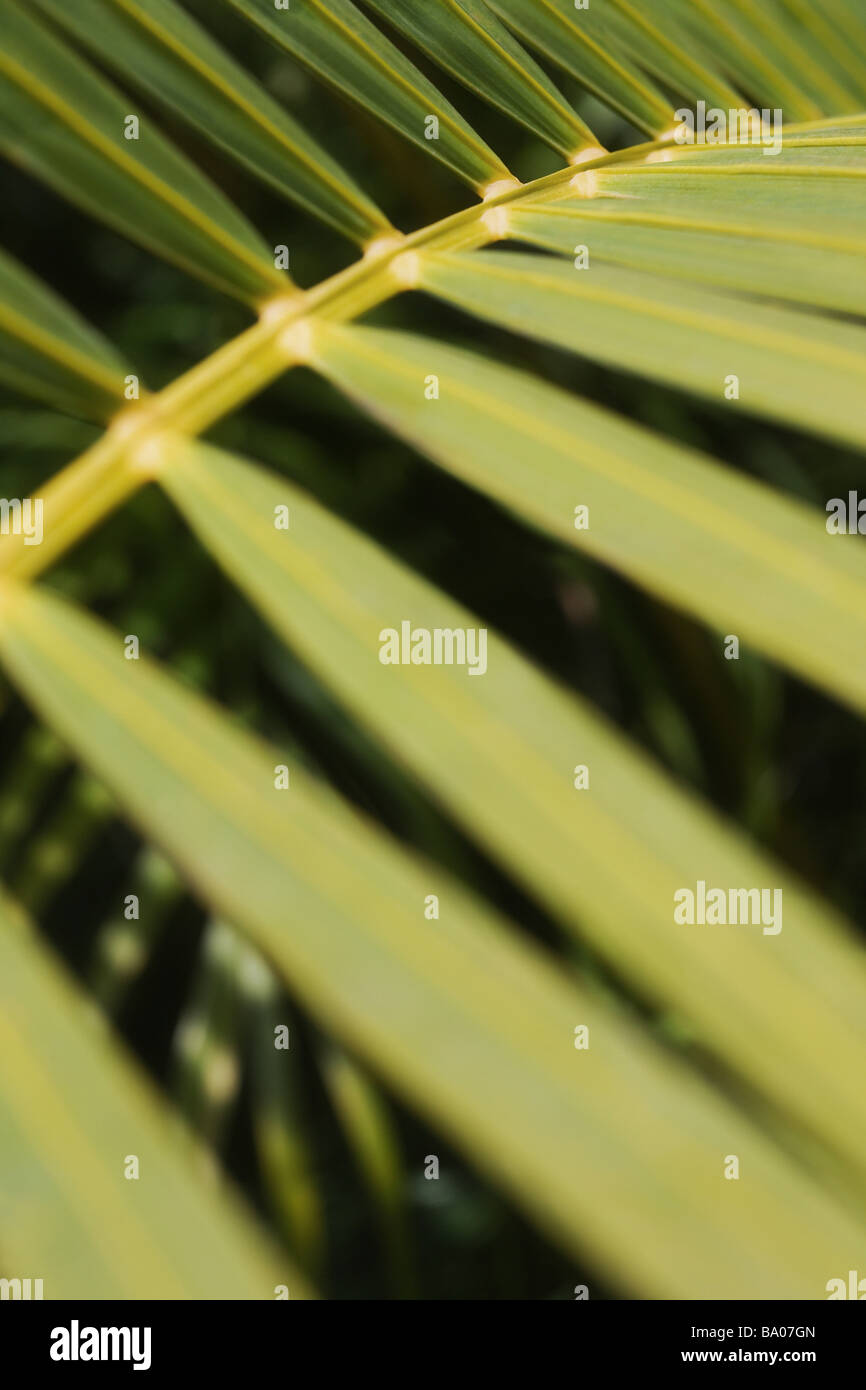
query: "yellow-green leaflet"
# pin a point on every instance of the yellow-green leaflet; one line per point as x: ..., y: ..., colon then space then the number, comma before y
x: 158, y: 46
x: 500, y: 751
x: 725, y: 261
x: 48, y: 351
x: 798, y: 368
x: 466, y: 39
x: 847, y: 20
x: 62, y: 121
x: 73, y: 1111
x: 339, y: 44
x: 761, y: 52
x: 656, y: 43
x: 732, y: 217
x: 810, y: 44
x: 617, y: 1149
x: 730, y: 550
x: 585, y: 45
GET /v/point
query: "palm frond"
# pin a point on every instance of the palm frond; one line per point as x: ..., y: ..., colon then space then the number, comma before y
x: 713, y: 271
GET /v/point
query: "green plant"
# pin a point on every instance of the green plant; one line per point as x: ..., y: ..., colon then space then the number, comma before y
x: 707, y: 263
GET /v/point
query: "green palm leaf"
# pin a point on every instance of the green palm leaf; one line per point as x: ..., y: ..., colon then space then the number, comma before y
x: 727, y: 272
x: 722, y: 546
x: 48, y: 351
x: 476, y: 1027
x: 730, y: 218
x: 339, y: 44
x: 746, y: 264
x: 655, y: 42
x: 63, y: 122
x: 465, y: 38
x: 516, y: 739
x: 790, y: 366
x: 582, y: 44
x: 169, y: 55
x: 762, y: 53
x: 836, y: 79
x: 74, y: 1111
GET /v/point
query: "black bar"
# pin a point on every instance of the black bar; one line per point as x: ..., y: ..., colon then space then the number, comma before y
x: 231, y: 1338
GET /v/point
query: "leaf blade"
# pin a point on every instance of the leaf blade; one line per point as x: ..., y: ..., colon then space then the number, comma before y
x: 580, y: 43
x: 792, y: 270
x: 592, y: 453
x: 73, y: 1110
x: 48, y: 351
x: 514, y: 737
x: 761, y: 55
x: 475, y: 1025
x: 466, y: 39
x: 796, y: 367
x: 61, y: 121
x: 170, y: 56
x: 342, y: 47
